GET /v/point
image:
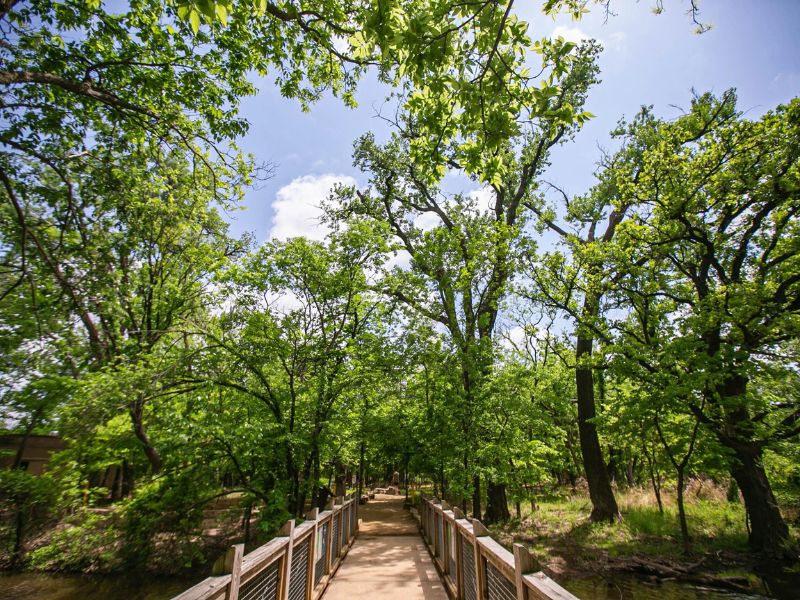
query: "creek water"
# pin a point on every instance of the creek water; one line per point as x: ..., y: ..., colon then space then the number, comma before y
x: 47, y: 586
x: 634, y: 588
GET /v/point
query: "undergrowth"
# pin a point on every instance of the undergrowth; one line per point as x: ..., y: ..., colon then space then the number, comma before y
x: 559, y: 525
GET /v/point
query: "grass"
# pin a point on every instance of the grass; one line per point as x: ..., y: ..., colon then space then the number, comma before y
x: 558, y: 531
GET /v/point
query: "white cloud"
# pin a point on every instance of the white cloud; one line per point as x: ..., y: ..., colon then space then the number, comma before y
x: 297, y: 209
x: 570, y: 34
x: 484, y: 197
x: 283, y: 302
x: 616, y: 42
x: 513, y: 339
x: 427, y: 221
x: 401, y: 258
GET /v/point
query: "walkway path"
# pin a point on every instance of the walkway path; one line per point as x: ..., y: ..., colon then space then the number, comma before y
x: 388, y: 560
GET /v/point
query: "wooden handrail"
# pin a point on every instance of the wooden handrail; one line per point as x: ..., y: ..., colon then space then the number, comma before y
x: 241, y: 570
x: 518, y: 568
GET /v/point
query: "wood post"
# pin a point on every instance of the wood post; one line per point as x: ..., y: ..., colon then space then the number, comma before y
x: 288, y: 531
x: 445, y: 546
x: 523, y: 563
x: 329, y: 544
x: 313, y: 515
x: 338, y: 515
x: 460, y: 593
x: 479, y: 530
x: 233, y: 565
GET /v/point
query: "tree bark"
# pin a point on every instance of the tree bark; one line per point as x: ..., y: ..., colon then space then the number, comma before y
x: 496, y: 503
x: 687, y: 540
x: 476, y: 496
x: 150, y: 451
x: 604, y: 505
x: 295, y: 508
x: 768, y: 531
x: 339, y: 483
x: 656, y: 481
x: 361, y: 451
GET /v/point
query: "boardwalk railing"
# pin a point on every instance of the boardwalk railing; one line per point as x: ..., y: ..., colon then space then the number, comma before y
x: 297, y: 565
x: 476, y: 567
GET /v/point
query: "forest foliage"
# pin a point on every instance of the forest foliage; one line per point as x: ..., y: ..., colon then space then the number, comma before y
x: 493, y: 342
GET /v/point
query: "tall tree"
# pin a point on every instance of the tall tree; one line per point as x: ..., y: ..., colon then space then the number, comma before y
x: 291, y: 338
x: 572, y: 277
x: 714, y: 256
x: 136, y: 264
x: 464, y: 255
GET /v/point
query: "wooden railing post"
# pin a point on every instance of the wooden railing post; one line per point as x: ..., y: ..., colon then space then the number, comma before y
x: 288, y: 531
x: 233, y: 565
x: 479, y: 530
x: 338, y: 515
x: 458, y: 516
x: 445, y: 540
x: 523, y: 563
x: 328, y: 539
x: 313, y: 515
x: 423, y: 515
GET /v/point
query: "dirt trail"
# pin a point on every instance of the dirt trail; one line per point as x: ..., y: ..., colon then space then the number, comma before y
x: 388, y: 560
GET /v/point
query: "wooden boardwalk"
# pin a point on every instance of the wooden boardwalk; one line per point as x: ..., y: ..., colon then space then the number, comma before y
x: 388, y: 560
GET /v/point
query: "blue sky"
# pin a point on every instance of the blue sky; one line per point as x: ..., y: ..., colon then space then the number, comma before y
x: 648, y: 59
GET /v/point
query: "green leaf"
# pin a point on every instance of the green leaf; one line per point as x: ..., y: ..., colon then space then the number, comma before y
x: 222, y: 13
x: 194, y: 20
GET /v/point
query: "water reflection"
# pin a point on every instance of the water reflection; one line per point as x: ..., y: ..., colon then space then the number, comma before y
x: 29, y: 586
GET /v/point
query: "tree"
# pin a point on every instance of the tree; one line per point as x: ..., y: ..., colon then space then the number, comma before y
x: 291, y: 340
x: 714, y: 257
x: 145, y: 240
x: 573, y: 279
x: 460, y: 268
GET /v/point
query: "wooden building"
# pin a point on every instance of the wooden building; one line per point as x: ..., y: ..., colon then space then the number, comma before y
x: 35, y: 454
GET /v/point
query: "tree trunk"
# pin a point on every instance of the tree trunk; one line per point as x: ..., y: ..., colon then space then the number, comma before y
x: 496, y: 503
x: 361, y: 451
x: 466, y: 470
x: 137, y: 418
x: 340, y: 488
x: 128, y: 481
x: 656, y: 481
x: 769, y: 532
x: 687, y: 541
x: 295, y: 508
x: 116, y: 486
x: 612, y: 466
x: 315, y: 491
x: 630, y: 475
x: 604, y: 505
x: 733, y: 491
x: 476, y: 496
